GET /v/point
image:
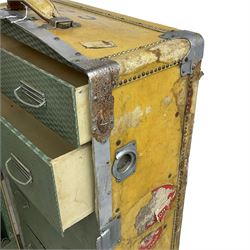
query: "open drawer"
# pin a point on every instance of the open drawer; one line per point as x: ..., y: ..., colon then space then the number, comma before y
x: 59, y: 104
x: 57, y: 179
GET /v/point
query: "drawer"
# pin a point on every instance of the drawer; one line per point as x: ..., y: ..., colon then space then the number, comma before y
x: 57, y: 179
x: 30, y: 239
x: 82, y: 235
x: 59, y: 105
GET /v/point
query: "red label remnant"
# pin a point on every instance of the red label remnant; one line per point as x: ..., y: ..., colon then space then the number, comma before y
x: 150, y: 241
x: 157, y: 208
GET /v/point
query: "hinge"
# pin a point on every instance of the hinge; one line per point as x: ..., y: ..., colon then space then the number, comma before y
x: 110, y: 235
x: 196, y: 50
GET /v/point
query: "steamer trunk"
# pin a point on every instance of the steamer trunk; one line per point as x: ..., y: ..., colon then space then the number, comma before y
x: 97, y: 118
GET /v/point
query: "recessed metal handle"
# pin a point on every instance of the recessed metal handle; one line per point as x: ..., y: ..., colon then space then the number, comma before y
x: 21, y: 168
x: 125, y: 162
x: 36, y: 96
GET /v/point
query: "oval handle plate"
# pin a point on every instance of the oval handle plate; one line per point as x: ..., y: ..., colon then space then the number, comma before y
x: 125, y: 162
x: 36, y: 96
x: 21, y: 168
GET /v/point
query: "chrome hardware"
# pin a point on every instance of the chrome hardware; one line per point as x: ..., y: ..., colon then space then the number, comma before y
x: 33, y: 94
x: 21, y: 168
x: 125, y: 162
x: 110, y: 236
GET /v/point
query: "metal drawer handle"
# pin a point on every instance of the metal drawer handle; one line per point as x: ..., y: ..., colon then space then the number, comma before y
x: 22, y: 169
x: 35, y: 95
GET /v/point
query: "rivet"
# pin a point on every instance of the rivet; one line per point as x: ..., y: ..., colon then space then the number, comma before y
x: 118, y: 142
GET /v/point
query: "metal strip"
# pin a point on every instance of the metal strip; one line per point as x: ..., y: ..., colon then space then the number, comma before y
x: 195, y: 54
x: 101, y: 157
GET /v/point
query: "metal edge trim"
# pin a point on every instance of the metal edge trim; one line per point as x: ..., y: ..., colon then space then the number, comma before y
x: 195, y: 53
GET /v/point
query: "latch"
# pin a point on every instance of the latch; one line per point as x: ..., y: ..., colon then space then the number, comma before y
x: 45, y: 9
x: 110, y: 235
x: 61, y: 22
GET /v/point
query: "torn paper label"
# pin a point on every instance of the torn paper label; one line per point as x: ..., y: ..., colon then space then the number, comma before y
x: 98, y: 44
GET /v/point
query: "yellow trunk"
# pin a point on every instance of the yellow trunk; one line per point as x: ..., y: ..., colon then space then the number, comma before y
x: 142, y: 80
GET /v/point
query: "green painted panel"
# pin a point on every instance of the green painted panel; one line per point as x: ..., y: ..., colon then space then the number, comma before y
x: 59, y: 112
x: 30, y: 239
x: 82, y: 235
x: 11, y: 245
x: 41, y: 192
x: 8, y: 239
x: 6, y: 228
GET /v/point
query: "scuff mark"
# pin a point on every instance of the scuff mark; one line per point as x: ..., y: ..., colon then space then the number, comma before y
x: 197, y: 74
x: 165, y: 52
x: 98, y: 44
x: 151, y: 239
x: 130, y: 120
x: 169, y: 53
x: 148, y: 110
x: 78, y: 197
x: 166, y: 101
x: 180, y: 94
x: 87, y: 17
x: 157, y: 208
x: 132, y: 62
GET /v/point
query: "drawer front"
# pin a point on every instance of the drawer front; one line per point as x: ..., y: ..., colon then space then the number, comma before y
x: 30, y: 170
x: 48, y: 98
x: 82, y: 235
x: 30, y: 239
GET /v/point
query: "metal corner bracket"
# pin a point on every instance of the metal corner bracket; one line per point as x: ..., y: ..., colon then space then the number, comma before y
x: 195, y: 53
x: 110, y: 235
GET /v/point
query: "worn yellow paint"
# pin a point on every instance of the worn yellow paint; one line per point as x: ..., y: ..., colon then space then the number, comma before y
x: 149, y: 110
x: 158, y: 136
x: 97, y: 27
x: 165, y: 52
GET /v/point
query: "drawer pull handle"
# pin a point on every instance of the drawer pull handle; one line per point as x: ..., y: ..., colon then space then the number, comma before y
x: 21, y: 168
x: 35, y: 95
